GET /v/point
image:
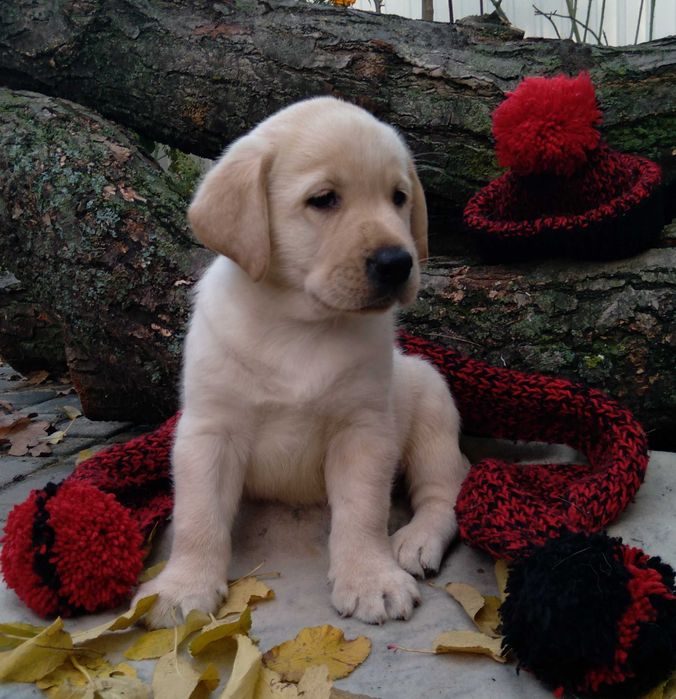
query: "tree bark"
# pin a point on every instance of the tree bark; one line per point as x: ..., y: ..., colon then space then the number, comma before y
x: 29, y: 337
x: 196, y: 75
x: 96, y: 232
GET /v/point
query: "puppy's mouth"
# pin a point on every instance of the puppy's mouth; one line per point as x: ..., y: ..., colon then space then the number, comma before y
x: 377, y: 305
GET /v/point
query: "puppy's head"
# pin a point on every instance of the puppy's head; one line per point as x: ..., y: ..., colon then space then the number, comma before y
x: 321, y: 198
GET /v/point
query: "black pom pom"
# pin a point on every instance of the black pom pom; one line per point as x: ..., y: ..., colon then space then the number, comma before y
x: 560, y: 618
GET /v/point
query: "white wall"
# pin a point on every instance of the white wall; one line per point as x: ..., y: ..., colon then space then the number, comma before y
x: 619, y: 21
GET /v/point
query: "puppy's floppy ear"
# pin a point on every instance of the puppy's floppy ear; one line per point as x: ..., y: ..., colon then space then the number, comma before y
x: 418, y: 215
x: 229, y: 212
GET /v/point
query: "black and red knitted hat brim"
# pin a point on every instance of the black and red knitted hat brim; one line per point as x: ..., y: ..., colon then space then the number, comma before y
x: 620, y: 227
x: 79, y: 546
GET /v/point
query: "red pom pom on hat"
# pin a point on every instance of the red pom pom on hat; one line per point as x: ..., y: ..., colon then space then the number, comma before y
x: 566, y: 192
x: 547, y: 125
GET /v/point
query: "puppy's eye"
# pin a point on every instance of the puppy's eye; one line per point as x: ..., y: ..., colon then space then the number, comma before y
x: 399, y: 198
x: 327, y: 200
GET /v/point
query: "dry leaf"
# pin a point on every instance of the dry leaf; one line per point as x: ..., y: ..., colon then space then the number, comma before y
x: 25, y: 436
x: 271, y: 686
x: 159, y: 642
x: 483, y: 611
x: 13, y: 634
x: 242, y: 593
x: 55, y: 437
x: 151, y: 572
x: 315, y: 683
x: 469, y: 642
x: 70, y: 412
x: 124, y: 621
x: 85, y: 454
x: 245, y: 671
x: 318, y: 645
x: 176, y: 678
x: 501, y: 573
x: 665, y: 690
x: 10, y: 423
x: 35, y: 378
x: 37, y: 656
x: 120, y: 153
x: 220, y: 629
x: 130, y: 194
x: 76, y: 675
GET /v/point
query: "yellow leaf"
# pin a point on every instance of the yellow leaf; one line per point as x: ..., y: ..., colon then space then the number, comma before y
x: 37, y: 656
x: 483, y: 611
x: 155, y: 644
x: 55, y: 437
x: 271, y: 686
x: 316, y: 683
x: 175, y: 677
x: 501, y: 573
x: 318, y: 645
x: 664, y: 690
x: 469, y: 642
x: 85, y: 454
x: 13, y: 634
x: 71, y: 412
x: 655, y: 692
x: 242, y: 593
x: 245, y: 672
x: 220, y: 629
x: 152, y: 572
x: 123, y: 687
x: 76, y: 678
x: 124, y: 621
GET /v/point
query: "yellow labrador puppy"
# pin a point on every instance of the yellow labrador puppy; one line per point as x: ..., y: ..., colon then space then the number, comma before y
x: 292, y: 387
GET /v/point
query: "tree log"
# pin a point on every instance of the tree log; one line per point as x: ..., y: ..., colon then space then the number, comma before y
x: 198, y: 74
x: 97, y: 234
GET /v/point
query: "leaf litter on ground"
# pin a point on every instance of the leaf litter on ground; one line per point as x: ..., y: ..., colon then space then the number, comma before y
x: 75, y: 665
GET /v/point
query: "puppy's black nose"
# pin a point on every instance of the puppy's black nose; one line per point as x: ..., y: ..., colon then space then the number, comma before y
x: 389, y: 267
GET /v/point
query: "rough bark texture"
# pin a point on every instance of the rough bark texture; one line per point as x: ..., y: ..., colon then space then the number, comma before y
x: 96, y: 233
x: 29, y: 337
x: 198, y: 74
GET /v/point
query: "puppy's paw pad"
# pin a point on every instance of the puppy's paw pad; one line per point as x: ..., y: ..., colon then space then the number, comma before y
x: 376, y: 595
x: 177, y: 597
x: 420, y: 551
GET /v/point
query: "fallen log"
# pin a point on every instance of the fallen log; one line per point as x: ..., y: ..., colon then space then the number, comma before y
x: 197, y: 75
x: 96, y: 233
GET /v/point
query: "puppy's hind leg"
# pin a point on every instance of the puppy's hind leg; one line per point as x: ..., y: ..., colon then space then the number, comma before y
x: 434, y: 466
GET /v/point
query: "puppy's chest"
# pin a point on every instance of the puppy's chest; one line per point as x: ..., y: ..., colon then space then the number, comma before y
x: 301, y: 407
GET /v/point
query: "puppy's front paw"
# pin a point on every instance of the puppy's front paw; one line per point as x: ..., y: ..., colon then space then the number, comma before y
x: 375, y: 591
x: 421, y: 544
x: 180, y: 591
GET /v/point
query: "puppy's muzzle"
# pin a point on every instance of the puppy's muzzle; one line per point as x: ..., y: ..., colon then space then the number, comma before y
x: 389, y: 268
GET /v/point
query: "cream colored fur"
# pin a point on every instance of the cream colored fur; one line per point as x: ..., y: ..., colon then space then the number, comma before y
x: 292, y: 388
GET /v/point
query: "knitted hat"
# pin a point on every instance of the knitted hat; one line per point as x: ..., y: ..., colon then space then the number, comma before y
x: 79, y: 546
x: 567, y: 192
